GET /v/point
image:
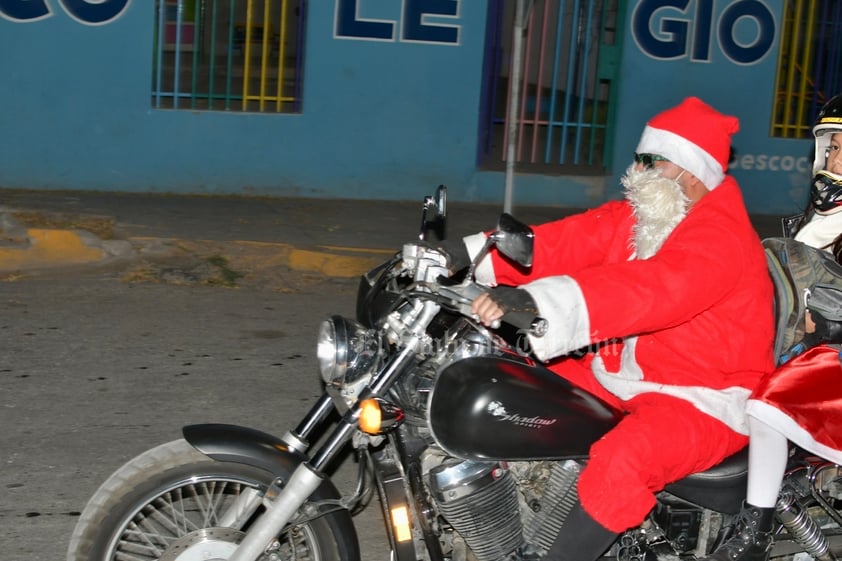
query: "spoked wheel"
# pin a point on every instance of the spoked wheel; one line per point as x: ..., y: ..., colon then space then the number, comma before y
x: 172, y: 503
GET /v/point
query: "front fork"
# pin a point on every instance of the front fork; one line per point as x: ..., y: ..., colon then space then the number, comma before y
x: 309, y: 475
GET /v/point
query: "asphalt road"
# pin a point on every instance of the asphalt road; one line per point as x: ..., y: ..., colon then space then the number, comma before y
x: 101, y: 361
x: 94, y: 370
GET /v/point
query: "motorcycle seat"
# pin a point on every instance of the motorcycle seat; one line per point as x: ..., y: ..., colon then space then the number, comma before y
x: 721, y: 488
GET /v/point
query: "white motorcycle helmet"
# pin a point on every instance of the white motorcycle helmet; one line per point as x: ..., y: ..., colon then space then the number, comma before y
x: 826, y: 190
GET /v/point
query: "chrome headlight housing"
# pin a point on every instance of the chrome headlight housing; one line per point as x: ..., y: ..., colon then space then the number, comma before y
x: 347, y: 353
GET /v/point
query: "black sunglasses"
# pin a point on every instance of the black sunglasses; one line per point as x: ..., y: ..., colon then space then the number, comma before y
x: 648, y: 160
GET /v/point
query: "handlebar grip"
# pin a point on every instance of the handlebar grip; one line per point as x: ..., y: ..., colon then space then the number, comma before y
x: 539, y: 327
x: 533, y: 325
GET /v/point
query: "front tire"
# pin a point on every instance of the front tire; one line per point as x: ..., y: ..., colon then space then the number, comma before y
x: 173, y: 500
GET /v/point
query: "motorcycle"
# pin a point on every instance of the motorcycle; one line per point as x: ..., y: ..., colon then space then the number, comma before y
x: 473, y: 448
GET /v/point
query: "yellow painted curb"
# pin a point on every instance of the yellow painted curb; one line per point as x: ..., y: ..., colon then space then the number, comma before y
x: 65, y: 247
x: 331, y: 264
x: 49, y: 247
x: 342, y: 262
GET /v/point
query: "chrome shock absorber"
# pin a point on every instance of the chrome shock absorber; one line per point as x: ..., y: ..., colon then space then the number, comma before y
x: 802, y: 528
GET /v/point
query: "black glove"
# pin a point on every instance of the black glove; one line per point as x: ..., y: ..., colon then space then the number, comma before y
x: 825, y: 306
x: 827, y: 331
x: 456, y: 254
x: 519, y: 309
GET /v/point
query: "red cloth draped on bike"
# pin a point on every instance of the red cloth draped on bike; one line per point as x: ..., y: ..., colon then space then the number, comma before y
x: 802, y: 399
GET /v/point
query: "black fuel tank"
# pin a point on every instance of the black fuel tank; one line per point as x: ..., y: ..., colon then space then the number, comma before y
x: 490, y: 408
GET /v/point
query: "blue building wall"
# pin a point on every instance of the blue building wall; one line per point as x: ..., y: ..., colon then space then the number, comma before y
x: 381, y: 119
x: 728, y: 59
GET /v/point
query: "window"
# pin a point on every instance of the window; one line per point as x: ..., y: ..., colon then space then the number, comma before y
x: 809, y: 67
x: 228, y: 55
x: 569, y: 62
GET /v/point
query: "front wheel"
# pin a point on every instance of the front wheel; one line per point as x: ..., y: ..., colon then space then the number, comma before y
x: 173, y: 503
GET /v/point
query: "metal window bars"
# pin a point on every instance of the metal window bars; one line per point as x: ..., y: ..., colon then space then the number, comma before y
x: 228, y: 55
x: 565, y: 71
x: 809, y: 65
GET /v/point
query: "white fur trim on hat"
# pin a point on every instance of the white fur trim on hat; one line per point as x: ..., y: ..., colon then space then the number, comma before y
x: 682, y: 153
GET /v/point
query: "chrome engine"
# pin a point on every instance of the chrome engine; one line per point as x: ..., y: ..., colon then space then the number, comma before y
x: 479, y: 500
x: 547, y: 492
x: 501, y: 510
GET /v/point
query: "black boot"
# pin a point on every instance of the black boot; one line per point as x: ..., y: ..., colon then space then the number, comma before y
x: 581, y: 538
x: 751, y: 538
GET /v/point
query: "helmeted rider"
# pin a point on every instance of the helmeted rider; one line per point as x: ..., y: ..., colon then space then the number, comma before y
x: 821, y: 223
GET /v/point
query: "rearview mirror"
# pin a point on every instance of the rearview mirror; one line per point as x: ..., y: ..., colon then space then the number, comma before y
x: 512, y: 238
x: 434, y: 212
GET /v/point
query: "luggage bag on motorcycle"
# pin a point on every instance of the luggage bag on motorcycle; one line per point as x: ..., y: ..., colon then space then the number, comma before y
x: 797, y: 268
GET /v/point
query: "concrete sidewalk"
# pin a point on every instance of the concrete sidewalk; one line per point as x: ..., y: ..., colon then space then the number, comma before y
x: 338, y: 238
x: 43, y: 230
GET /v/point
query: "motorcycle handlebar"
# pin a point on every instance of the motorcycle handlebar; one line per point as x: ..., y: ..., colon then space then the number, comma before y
x: 465, y: 293
x: 535, y: 326
x: 425, y: 263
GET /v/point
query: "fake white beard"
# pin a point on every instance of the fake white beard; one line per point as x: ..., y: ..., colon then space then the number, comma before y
x: 659, y: 206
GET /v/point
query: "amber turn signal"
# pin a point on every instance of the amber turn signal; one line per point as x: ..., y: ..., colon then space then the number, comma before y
x: 400, y: 524
x: 378, y: 416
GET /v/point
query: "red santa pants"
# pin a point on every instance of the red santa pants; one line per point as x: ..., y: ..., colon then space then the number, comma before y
x: 661, y: 440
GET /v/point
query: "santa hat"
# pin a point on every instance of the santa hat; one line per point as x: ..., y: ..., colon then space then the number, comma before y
x: 694, y: 136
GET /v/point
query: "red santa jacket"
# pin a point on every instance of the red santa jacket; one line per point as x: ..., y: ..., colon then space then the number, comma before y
x: 694, y: 320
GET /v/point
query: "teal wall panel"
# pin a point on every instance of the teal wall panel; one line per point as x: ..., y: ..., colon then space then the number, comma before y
x: 381, y: 118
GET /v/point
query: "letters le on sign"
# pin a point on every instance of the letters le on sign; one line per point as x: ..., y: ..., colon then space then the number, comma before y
x: 415, y: 22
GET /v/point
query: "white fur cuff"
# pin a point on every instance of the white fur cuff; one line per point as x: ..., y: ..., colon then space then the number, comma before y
x: 560, y: 301
x: 484, y: 273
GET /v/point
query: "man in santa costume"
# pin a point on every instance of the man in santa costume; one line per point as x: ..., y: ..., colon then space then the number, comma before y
x: 669, y: 294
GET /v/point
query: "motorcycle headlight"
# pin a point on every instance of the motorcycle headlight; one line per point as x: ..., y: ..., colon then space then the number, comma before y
x: 346, y: 351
